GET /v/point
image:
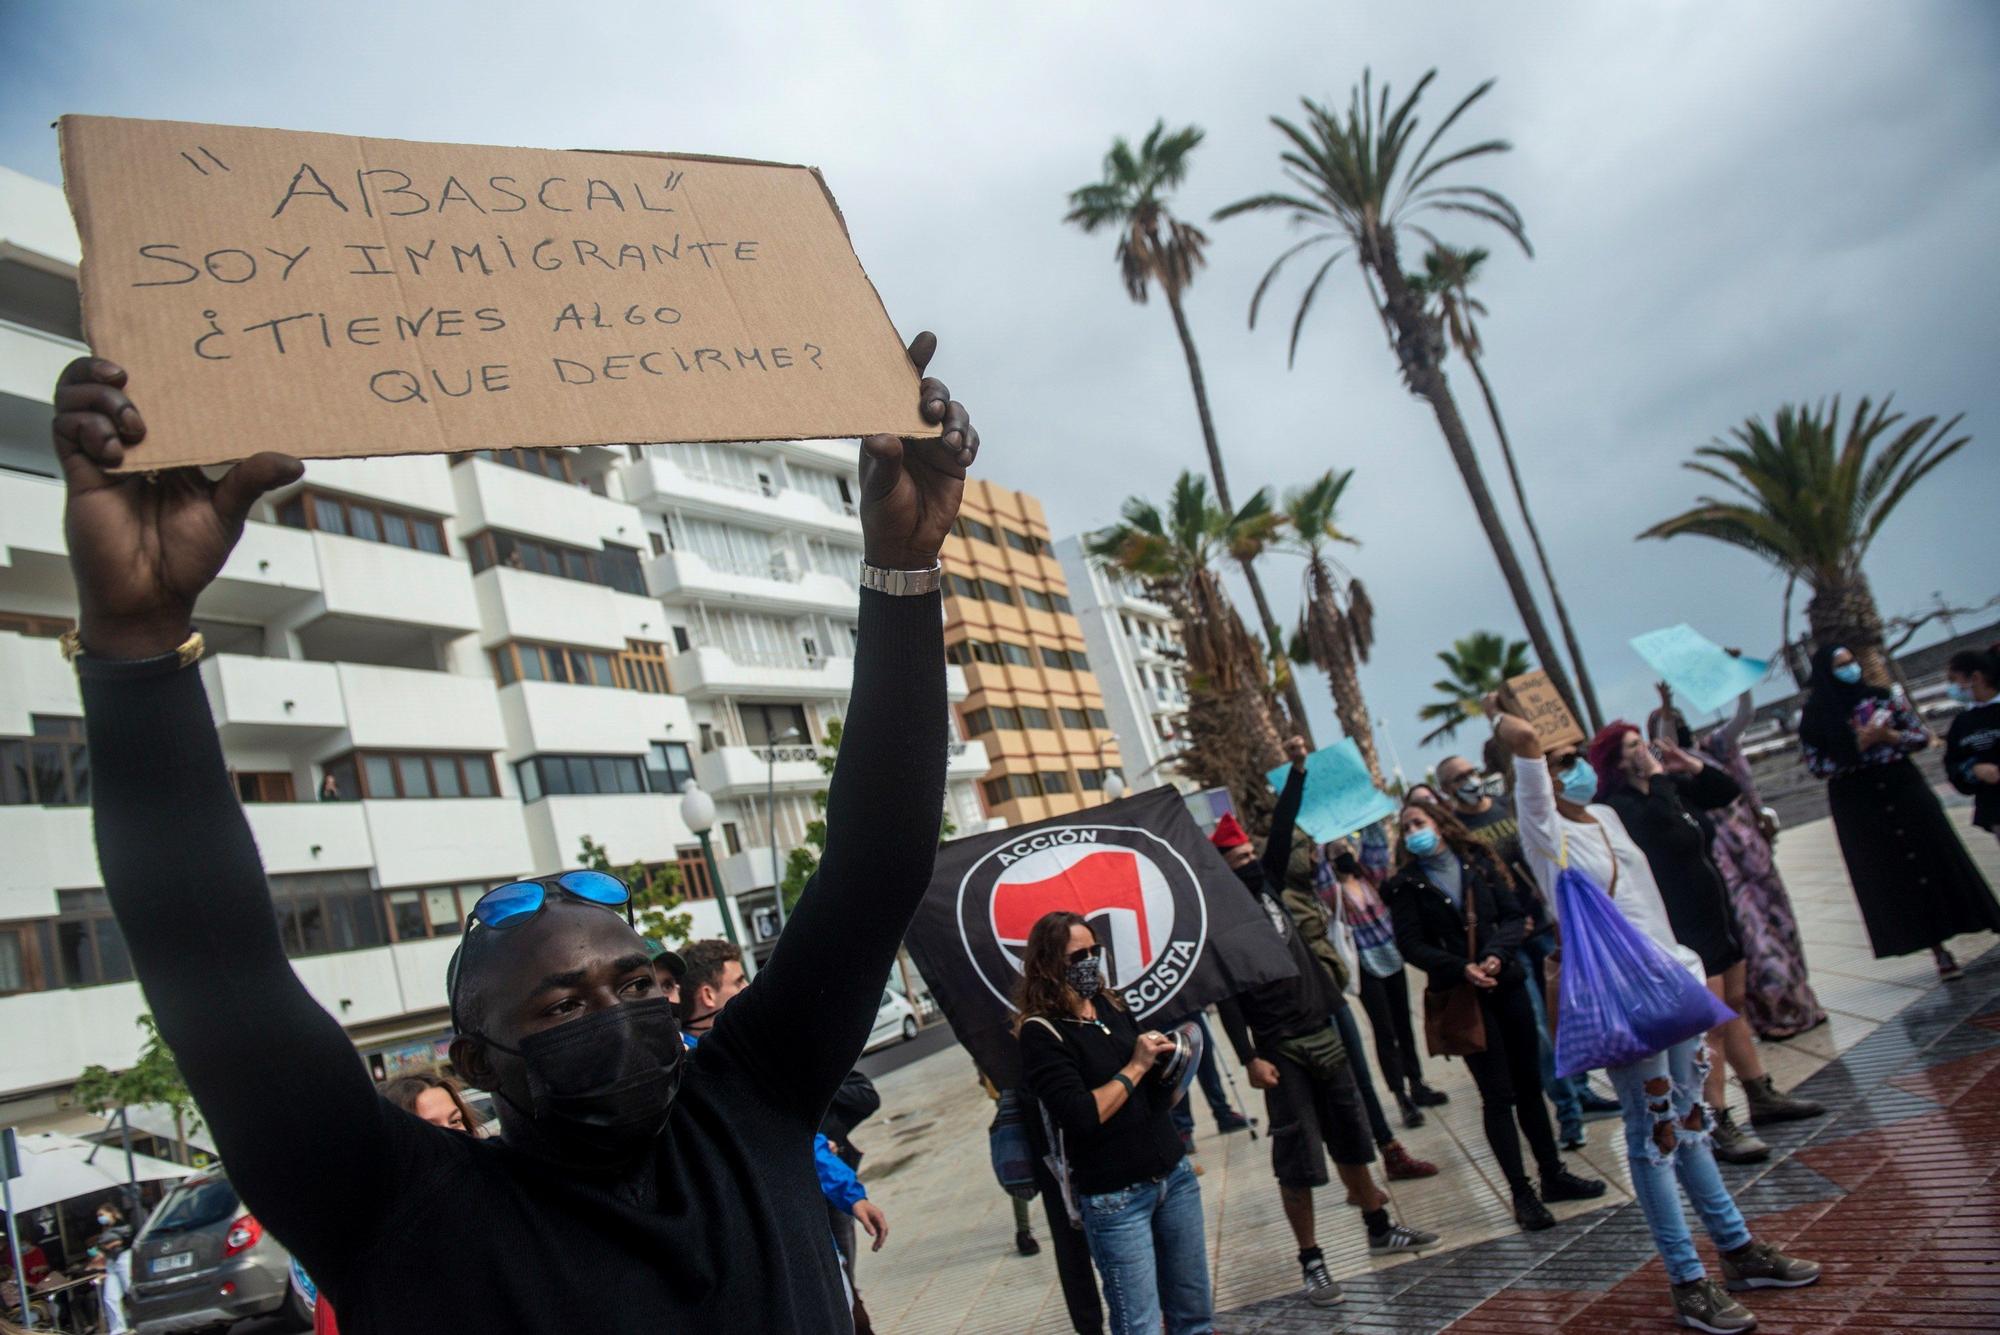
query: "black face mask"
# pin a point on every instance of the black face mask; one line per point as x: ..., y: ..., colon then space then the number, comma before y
x: 600, y: 1088
x: 1252, y: 875
x: 1346, y: 864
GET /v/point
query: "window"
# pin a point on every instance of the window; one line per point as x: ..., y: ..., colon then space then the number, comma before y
x: 996, y: 791
x: 18, y: 971
x: 668, y: 766
x: 35, y: 627
x: 996, y: 592
x: 1024, y: 785
x: 1090, y: 780
x: 556, y: 465
x: 612, y: 566
x: 1033, y: 717
x: 437, y: 910
x: 1016, y: 654
x: 264, y: 786
x: 579, y: 776
x: 1074, y: 718
x: 977, y: 721
x: 1042, y: 547
x: 1077, y: 662
x: 1036, y: 599
x: 693, y: 868
x: 1020, y: 542
x: 84, y: 944
x: 764, y: 725
x: 320, y: 912
x: 963, y: 587
x: 49, y: 769
x: 384, y: 775
x: 1005, y: 717
x: 644, y: 664
x: 659, y: 544
x: 1054, y: 782
x: 681, y: 641
x: 972, y: 528
x: 1097, y: 719
x: 976, y: 651
x: 366, y: 520
x: 732, y: 838
x: 1060, y: 600
x: 559, y: 663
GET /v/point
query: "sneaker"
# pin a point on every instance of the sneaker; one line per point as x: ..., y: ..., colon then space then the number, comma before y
x: 1572, y: 1136
x: 1229, y: 1120
x: 1768, y: 1106
x: 1413, y: 1116
x: 1563, y: 1185
x: 1530, y: 1213
x: 1596, y: 1105
x: 1947, y: 967
x: 1402, y: 1166
x: 1400, y: 1239
x: 1424, y: 1096
x: 1701, y: 1304
x: 1024, y: 1243
x: 1321, y: 1288
x: 1732, y: 1143
x: 1759, y: 1265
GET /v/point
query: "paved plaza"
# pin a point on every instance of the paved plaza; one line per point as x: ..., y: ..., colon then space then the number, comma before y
x: 1895, y: 1189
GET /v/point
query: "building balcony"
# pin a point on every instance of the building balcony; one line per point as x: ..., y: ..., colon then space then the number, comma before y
x: 431, y: 842
x: 663, y: 485
x: 750, y: 869
x: 419, y: 482
x: 493, y: 495
x: 706, y: 671
x: 733, y: 770
x: 310, y: 836
x: 380, y: 602
x: 554, y: 718
x: 30, y: 361
x: 955, y: 687
x: 968, y: 760
x: 47, y: 848
x: 72, y: 1028
x: 686, y: 577
x: 410, y: 710
x: 272, y: 704
x: 632, y: 827
x: 34, y: 679
x: 524, y: 605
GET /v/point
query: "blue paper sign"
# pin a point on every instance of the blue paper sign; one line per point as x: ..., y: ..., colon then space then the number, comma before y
x: 1340, y: 797
x: 1704, y: 677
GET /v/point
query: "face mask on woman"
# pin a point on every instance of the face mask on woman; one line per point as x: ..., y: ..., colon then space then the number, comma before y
x: 1085, y: 977
x: 1579, y: 783
x: 1847, y: 672
x: 1422, y: 843
x: 1960, y: 692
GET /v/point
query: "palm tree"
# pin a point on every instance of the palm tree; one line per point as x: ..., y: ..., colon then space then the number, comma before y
x: 1479, y: 664
x: 1811, y: 504
x: 1448, y: 276
x: 1154, y: 246
x: 1232, y: 737
x: 1337, y: 621
x: 1356, y: 183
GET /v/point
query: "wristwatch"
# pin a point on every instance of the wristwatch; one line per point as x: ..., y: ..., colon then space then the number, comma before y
x: 902, y: 583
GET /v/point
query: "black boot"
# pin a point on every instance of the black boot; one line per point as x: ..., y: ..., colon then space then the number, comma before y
x: 1560, y: 1184
x: 1529, y: 1212
x: 1424, y: 1096
x: 1413, y: 1116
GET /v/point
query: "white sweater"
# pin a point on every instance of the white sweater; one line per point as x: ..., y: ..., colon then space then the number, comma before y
x: 1544, y: 831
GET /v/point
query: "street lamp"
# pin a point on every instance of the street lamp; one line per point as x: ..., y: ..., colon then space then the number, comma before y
x: 1114, y: 786
x: 698, y: 814
x: 771, y: 811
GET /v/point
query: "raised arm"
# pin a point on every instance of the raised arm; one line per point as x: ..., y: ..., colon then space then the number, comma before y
x: 1732, y: 731
x: 1284, y: 820
x: 271, y: 1070
x: 801, y: 1024
x: 1535, y: 812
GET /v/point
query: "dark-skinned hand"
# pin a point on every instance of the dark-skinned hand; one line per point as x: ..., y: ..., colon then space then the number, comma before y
x: 911, y: 487
x: 142, y: 545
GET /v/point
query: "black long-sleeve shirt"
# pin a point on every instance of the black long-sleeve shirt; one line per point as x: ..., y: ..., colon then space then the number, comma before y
x: 411, y: 1228
x: 1663, y: 822
x: 1062, y: 1061
x: 1975, y: 740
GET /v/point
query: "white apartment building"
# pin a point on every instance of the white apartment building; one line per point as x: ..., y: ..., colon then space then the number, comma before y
x: 430, y: 675
x: 1136, y: 649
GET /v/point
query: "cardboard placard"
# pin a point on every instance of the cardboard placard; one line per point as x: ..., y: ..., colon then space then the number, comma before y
x: 1534, y: 697
x: 332, y: 296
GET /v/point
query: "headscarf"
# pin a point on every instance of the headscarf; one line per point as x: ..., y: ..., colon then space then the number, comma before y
x: 1604, y: 753
x: 1827, y: 722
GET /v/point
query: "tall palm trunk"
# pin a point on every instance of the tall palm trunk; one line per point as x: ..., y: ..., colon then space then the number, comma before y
x: 1842, y: 611
x: 1331, y: 650
x: 1419, y: 346
x: 1294, y: 703
x: 1583, y: 684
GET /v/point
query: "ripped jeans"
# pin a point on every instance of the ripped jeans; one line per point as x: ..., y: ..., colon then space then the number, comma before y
x: 1666, y: 1137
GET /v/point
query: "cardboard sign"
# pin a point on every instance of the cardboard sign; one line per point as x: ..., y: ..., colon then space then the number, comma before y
x: 330, y: 296
x: 1340, y: 796
x: 1703, y: 674
x: 1532, y: 696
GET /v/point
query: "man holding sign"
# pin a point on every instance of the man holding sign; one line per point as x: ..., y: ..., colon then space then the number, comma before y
x: 635, y: 1186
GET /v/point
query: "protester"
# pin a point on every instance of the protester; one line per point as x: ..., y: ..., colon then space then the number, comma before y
x: 1656, y: 797
x: 668, y: 967
x: 437, y: 1099
x: 853, y: 1103
x: 1086, y: 1061
x: 711, y: 976
x: 1972, y: 750
x: 1283, y: 1036
x: 611, y: 1129
x: 1457, y: 919
x: 1321, y: 929
x: 1916, y: 884
x: 1666, y: 1121
x: 1385, y: 990
x: 1778, y: 1000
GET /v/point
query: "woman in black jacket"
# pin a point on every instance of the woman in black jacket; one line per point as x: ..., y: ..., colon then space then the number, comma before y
x: 1972, y: 749
x: 1445, y: 878
x: 1085, y: 1059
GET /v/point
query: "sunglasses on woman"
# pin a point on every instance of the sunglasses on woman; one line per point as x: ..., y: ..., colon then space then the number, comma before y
x: 516, y: 902
x: 1087, y: 953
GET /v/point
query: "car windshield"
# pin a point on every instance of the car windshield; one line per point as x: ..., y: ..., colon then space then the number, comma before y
x: 195, y: 1203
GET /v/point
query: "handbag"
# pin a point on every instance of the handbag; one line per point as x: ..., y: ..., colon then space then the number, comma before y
x: 1454, y: 1025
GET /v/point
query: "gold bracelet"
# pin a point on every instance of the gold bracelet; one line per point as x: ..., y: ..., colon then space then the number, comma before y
x: 188, y: 653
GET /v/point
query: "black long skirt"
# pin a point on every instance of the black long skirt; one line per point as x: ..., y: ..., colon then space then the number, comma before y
x: 1914, y: 880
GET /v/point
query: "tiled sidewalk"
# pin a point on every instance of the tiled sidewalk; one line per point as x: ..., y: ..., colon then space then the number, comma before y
x: 950, y: 1264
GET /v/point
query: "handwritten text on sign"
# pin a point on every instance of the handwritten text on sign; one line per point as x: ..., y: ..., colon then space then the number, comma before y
x: 331, y: 296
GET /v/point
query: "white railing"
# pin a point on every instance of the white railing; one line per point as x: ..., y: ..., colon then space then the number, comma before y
x: 783, y: 754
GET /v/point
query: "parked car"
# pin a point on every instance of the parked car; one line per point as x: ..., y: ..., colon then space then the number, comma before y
x: 894, y: 1018
x: 203, y: 1261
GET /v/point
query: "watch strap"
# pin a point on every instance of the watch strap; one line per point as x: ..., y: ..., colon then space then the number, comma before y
x: 902, y: 583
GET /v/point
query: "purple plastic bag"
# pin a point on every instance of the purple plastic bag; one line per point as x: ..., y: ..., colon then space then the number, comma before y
x: 1623, y: 997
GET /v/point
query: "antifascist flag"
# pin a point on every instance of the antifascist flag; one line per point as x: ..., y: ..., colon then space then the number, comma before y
x: 1178, y: 927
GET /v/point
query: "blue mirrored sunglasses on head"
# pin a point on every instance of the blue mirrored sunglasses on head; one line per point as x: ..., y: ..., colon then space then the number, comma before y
x: 514, y: 903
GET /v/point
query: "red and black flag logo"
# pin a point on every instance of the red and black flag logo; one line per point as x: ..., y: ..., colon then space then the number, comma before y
x: 1179, y: 930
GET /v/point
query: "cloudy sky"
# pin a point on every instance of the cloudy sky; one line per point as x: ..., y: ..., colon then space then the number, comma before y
x: 1732, y: 207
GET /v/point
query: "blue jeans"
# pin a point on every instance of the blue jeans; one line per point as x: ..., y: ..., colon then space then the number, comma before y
x: 1649, y: 1117
x: 1150, y: 1253
x: 1564, y: 1091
